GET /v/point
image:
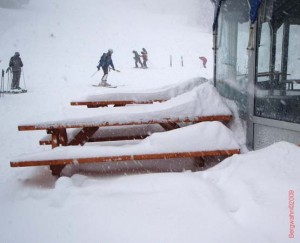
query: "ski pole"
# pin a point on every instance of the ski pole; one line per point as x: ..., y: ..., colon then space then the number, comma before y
x: 116, y: 70
x: 7, y: 87
x: 23, y: 73
x: 94, y: 73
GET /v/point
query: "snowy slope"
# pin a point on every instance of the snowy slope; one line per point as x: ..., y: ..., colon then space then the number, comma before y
x: 243, y: 199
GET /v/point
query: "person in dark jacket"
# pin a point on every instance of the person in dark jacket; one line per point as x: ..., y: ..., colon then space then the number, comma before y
x: 145, y: 57
x: 16, y: 64
x: 137, y: 59
x: 105, y: 62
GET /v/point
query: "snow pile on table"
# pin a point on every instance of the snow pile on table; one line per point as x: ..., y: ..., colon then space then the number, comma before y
x: 162, y: 93
x: 203, y: 100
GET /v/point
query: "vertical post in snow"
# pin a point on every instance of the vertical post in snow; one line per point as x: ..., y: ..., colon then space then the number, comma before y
x: 8, y: 79
x: 170, y: 60
x: 182, y: 61
x: 2, y: 84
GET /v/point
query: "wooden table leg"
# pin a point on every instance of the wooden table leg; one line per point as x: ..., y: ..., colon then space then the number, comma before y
x: 199, y: 162
x: 83, y: 136
x: 56, y: 169
x: 59, y: 137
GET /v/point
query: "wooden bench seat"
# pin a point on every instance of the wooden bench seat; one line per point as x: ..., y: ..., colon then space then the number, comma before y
x: 47, y: 140
x: 57, y: 165
x: 116, y: 133
x: 207, y: 139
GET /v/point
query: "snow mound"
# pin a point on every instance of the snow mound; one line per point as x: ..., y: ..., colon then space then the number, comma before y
x: 255, y: 188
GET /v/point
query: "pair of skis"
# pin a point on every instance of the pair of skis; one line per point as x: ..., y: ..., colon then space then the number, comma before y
x: 14, y: 91
x: 94, y: 85
x: 112, y: 87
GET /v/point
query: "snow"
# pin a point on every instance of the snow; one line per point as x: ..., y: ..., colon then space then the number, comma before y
x: 243, y: 199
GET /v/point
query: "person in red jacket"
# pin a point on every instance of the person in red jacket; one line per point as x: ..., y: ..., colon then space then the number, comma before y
x: 204, y: 61
x: 145, y: 57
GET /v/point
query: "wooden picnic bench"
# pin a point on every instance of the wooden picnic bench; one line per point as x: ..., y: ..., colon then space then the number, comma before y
x: 59, y: 135
x: 59, y: 157
x: 174, y: 114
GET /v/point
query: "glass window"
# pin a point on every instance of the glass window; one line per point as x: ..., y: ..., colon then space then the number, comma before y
x: 293, y: 69
x: 263, y: 60
x: 277, y: 93
x: 231, y: 55
x: 264, y: 49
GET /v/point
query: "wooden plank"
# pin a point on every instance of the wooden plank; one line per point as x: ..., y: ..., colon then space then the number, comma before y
x: 126, y: 158
x: 117, y: 138
x: 223, y: 118
x: 46, y: 141
x: 95, y: 104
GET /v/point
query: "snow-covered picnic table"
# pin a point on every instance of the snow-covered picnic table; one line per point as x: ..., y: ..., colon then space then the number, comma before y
x: 138, y: 96
x: 200, y: 104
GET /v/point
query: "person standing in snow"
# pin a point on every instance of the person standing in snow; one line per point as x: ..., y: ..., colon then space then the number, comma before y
x: 105, y: 62
x: 15, y: 65
x: 204, y: 61
x: 145, y: 57
x: 137, y: 59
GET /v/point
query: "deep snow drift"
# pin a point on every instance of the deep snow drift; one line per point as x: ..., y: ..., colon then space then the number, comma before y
x: 251, y: 197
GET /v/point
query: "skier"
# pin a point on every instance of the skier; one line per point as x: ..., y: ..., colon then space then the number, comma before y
x: 145, y: 57
x: 137, y: 59
x: 15, y: 65
x: 105, y: 62
x: 204, y: 61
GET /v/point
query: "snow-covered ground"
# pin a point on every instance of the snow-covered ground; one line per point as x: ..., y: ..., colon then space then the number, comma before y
x: 251, y: 197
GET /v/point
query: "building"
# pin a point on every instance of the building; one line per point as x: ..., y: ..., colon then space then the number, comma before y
x: 257, y: 64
